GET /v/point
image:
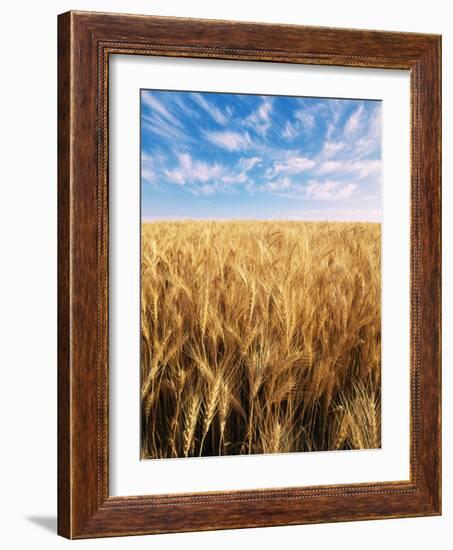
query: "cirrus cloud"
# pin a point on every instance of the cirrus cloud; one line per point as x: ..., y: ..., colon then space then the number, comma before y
x: 229, y: 140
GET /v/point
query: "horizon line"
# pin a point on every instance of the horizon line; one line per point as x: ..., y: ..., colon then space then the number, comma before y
x: 226, y: 220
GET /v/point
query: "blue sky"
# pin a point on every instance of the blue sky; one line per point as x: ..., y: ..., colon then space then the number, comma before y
x: 237, y: 156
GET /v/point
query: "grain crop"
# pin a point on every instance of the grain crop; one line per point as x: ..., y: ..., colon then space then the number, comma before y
x: 259, y: 337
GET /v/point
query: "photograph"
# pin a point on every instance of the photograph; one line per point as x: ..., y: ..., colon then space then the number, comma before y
x: 260, y: 274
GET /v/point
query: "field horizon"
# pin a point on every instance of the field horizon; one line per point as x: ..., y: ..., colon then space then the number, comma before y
x: 267, y: 220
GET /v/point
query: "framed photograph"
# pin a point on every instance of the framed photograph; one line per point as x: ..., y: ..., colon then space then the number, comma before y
x: 249, y: 275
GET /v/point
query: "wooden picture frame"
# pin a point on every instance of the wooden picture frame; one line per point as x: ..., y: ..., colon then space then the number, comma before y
x: 85, y: 41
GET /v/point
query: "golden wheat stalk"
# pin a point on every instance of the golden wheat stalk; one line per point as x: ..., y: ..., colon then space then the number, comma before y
x: 259, y: 337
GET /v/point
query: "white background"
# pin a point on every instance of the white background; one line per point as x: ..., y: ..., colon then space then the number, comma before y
x: 129, y: 475
x: 28, y: 271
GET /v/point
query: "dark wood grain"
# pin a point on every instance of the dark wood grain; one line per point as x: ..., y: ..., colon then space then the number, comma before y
x: 64, y: 367
x: 85, y: 42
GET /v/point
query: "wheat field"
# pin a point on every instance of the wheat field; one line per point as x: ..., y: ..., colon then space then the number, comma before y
x: 259, y: 337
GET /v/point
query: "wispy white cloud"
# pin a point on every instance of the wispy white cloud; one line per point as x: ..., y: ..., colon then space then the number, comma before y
x: 248, y: 163
x: 281, y: 184
x: 375, y: 123
x: 330, y: 190
x: 335, y: 110
x: 185, y: 108
x: 202, y: 177
x: 229, y: 140
x: 148, y: 169
x: 190, y: 170
x: 260, y: 120
x: 306, y: 118
x: 164, y: 129
x: 293, y: 164
x: 304, y: 122
x: 157, y: 107
x: 360, y: 169
x: 208, y: 190
x: 370, y: 139
x: 315, y: 190
x: 291, y: 130
x: 229, y: 111
x: 216, y: 114
x: 332, y: 148
x: 232, y: 179
x: 354, y: 122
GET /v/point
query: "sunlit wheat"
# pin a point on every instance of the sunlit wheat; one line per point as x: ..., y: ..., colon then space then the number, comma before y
x: 259, y: 337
